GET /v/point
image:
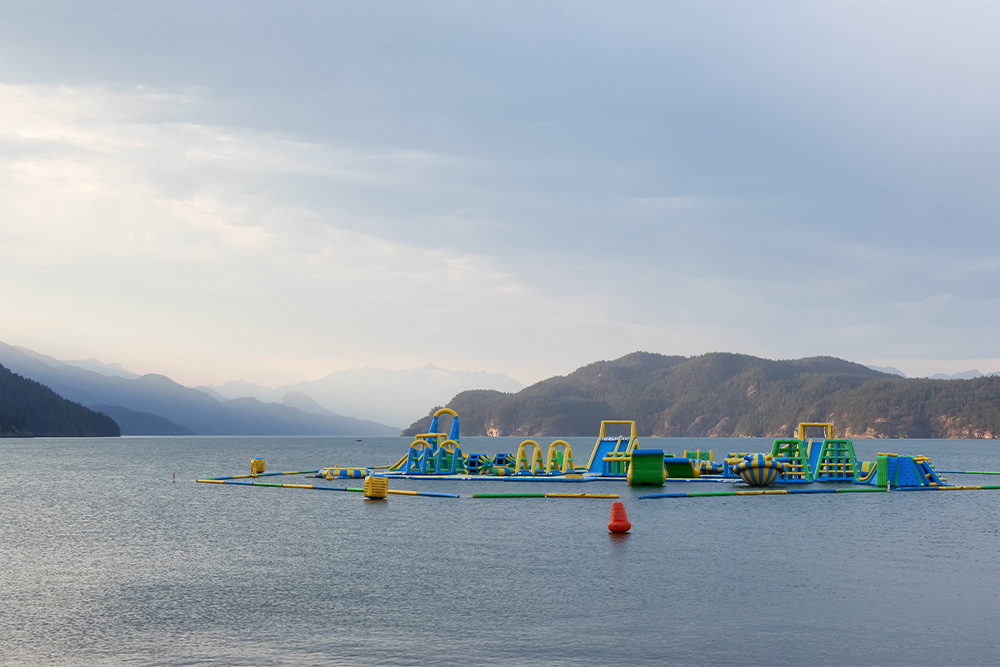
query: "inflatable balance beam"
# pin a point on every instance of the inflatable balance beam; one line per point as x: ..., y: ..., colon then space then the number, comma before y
x: 788, y: 492
x: 761, y: 492
x: 264, y: 474
x: 317, y: 487
x: 544, y: 495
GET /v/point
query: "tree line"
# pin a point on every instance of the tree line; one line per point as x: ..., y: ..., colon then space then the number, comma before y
x: 28, y: 408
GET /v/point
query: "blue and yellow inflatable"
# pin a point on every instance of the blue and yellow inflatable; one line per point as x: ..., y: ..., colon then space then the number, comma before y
x: 759, y: 469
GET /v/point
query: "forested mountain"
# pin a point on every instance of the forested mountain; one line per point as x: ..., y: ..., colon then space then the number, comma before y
x: 28, y: 408
x: 723, y: 394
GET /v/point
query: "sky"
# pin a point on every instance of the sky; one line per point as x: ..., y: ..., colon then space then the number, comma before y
x: 276, y: 191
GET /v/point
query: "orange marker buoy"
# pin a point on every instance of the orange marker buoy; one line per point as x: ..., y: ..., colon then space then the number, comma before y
x: 619, y: 519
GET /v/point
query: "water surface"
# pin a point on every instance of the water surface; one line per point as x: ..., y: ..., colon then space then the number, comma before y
x: 106, y: 560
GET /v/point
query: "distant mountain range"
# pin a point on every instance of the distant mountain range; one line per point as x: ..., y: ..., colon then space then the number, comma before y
x: 155, y: 405
x: 964, y: 375
x: 888, y: 369
x: 717, y: 394
x: 391, y: 397
x: 723, y: 394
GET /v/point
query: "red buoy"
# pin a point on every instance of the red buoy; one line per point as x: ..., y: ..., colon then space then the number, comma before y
x: 619, y: 519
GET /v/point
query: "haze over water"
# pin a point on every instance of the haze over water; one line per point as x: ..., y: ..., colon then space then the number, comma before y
x: 109, y: 562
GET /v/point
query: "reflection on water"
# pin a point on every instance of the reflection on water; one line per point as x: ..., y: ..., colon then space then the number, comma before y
x: 107, y: 561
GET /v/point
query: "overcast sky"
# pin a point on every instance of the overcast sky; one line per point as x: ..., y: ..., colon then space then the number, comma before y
x: 274, y: 192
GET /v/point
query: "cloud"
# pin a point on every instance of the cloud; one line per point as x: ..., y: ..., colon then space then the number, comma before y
x: 188, y: 220
x: 219, y: 241
x: 507, y: 186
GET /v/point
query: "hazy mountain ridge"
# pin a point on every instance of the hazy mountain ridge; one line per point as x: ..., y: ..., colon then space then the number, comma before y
x: 29, y: 408
x: 189, y: 410
x: 387, y: 396
x: 716, y: 394
x: 723, y: 394
x: 891, y: 370
x: 971, y: 374
x: 141, y: 423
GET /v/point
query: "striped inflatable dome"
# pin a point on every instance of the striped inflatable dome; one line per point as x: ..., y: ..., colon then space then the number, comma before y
x: 759, y: 469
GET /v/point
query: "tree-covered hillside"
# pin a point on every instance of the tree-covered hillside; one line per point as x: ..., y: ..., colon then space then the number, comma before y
x: 723, y: 394
x: 28, y: 408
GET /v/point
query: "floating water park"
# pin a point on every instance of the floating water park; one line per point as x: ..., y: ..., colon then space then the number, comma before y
x: 802, y: 464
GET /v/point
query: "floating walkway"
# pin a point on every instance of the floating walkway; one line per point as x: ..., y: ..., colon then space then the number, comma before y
x: 551, y: 479
x: 545, y: 495
x: 984, y: 487
x: 262, y: 474
x: 317, y: 487
x: 788, y: 492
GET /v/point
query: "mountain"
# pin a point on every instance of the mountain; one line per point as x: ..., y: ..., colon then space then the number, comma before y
x: 389, y: 397
x: 189, y: 410
x: 964, y: 375
x: 141, y: 423
x: 299, y: 401
x: 111, y: 370
x: 240, y: 389
x: 28, y: 408
x: 888, y: 369
x: 722, y: 394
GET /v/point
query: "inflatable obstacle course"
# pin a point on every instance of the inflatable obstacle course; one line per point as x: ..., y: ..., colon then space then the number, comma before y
x: 529, y: 463
x: 317, y: 487
x: 704, y: 461
x: 732, y: 460
x: 478, y: 464
x: 437, y: 455
x: 834, y: 461
x: 449, y: 460
x: 559, y: 458
x: 896, y: 471
x: 792, y: 453
x: 545, y: 495
x: 330, y: 474
x: 679, y: 467
x: 759, y: 469
x: 434, y: 453
x: 646, y: 468
x: 611, y: 453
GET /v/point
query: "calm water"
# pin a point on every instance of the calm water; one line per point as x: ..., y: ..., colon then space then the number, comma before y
x: 104, y: 560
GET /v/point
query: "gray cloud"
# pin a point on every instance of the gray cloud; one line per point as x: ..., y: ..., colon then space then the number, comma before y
x: 559, y: 182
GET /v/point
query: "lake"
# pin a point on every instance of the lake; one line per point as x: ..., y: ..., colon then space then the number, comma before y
x: 112, y: 555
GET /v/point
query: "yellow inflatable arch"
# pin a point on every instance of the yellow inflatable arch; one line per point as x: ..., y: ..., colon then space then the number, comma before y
x: 536, y: 464
x: 567, y: 464
x: 449, y: 446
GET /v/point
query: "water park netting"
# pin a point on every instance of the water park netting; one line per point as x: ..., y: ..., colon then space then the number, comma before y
x: 797, y: 465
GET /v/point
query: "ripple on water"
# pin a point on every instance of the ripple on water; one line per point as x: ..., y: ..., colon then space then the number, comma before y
x: 109, y: 562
